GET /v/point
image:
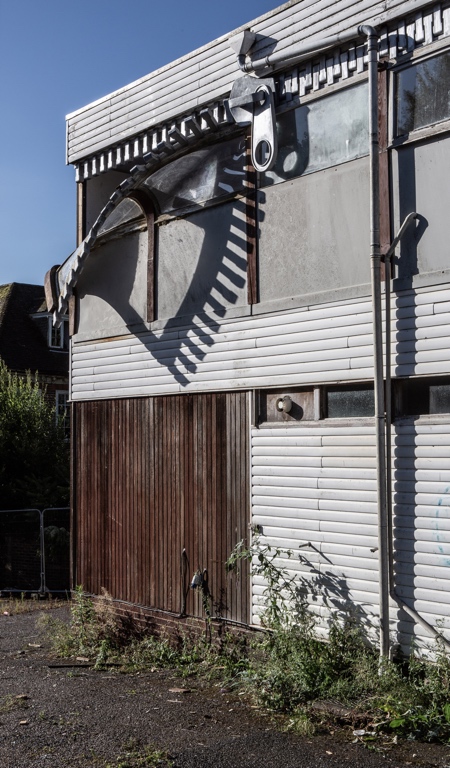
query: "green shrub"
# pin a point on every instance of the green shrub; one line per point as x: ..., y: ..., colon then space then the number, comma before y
x: 34, y: 454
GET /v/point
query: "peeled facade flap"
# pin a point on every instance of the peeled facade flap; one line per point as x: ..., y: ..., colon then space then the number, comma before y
x: 207, y: 74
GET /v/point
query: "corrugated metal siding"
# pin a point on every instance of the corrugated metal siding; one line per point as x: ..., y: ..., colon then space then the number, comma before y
x: 155, y: 476
x: 317, y: 485
x: 312, y: 345
x: 208, y: 73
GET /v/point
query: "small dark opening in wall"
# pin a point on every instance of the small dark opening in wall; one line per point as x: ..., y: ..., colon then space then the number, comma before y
x: 418, y: 397
x: 349, y: 402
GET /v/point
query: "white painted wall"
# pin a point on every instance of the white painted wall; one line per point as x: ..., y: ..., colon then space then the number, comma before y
x: 316, y: 482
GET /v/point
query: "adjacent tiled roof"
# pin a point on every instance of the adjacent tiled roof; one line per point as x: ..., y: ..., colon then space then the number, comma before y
x: 23, y: 340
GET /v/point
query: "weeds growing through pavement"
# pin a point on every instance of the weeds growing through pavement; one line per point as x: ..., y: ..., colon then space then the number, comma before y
x: 134, y: 755
x: 10, y: 606
x: 8, y: 703
x: 287, y: 669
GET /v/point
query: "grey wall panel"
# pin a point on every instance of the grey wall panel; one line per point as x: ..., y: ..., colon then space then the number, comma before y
x: 98, y: 191
x: 420, y: 179
x: 202, y: 262
x: 314, y: 232
x: 208, y: 73
x: 112, y: 290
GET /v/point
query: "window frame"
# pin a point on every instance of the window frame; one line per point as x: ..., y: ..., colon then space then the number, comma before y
x: 400, y: 395
x: 63, y: 412
x: 63, y: 335
x: 433, y: 50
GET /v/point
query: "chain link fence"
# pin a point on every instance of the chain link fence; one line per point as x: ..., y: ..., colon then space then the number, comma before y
x: 35, y: 550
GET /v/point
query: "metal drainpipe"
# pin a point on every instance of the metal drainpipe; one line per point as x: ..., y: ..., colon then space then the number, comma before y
x: 297, y: 53
x: 375, y: 260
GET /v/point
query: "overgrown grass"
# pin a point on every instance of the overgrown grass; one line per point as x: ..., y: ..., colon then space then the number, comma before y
x: 285, y: 670
x: 12, y: 606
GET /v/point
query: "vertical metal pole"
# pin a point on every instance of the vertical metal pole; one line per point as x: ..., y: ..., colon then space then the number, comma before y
x: 42, y: 588
x: 375, y: 259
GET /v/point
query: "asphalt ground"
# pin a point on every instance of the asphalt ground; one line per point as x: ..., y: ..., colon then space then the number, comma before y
x: 53, y: 715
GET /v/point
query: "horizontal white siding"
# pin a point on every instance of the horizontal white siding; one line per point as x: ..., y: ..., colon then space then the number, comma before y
x: 422, y: 521
x: 302, y: 495
x: 326, y: 343
x: 330, y: 509
x: 208, y: 73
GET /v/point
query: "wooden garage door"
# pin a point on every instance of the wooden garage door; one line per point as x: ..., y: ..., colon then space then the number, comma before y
x: 154, y: 477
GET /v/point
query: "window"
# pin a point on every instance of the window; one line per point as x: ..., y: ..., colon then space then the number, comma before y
x: 62, y: 409
x: 423, y: 94
x: 417, y: 397
x: 349, y: 402
x: 294, y: 405
x: 320, y: 134
x: 58, y: 338
x: 203, y: 175
x: 127, y: 211
x: 201, y: 251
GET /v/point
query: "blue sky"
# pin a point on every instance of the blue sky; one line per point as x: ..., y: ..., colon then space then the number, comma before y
x: 57, y: 56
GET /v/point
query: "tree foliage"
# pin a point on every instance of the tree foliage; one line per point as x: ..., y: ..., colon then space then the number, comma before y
x: 34, y: 454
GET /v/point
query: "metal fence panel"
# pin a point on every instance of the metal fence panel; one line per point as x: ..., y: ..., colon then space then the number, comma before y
x: 56, y: 549
x: 35, y: 550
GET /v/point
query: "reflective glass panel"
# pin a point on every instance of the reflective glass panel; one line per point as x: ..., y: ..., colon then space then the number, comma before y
x: 346, y: 403
x: 202, y: 175
x: 423, y: 94
x: 320, y: 134
x: 126, y: 211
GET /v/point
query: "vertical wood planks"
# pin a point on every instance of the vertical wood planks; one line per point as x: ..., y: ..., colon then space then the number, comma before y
x: 154, y: 476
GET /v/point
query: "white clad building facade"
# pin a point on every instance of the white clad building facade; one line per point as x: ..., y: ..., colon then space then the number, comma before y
x: 200, y: 279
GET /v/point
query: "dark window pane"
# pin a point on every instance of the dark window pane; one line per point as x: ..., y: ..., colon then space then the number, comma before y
x: 320, y: 134
x: 347, y: 403
x: 423, y: 94
x: 440, y: 398
x: 202, y: 175
x: 415, y: 397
